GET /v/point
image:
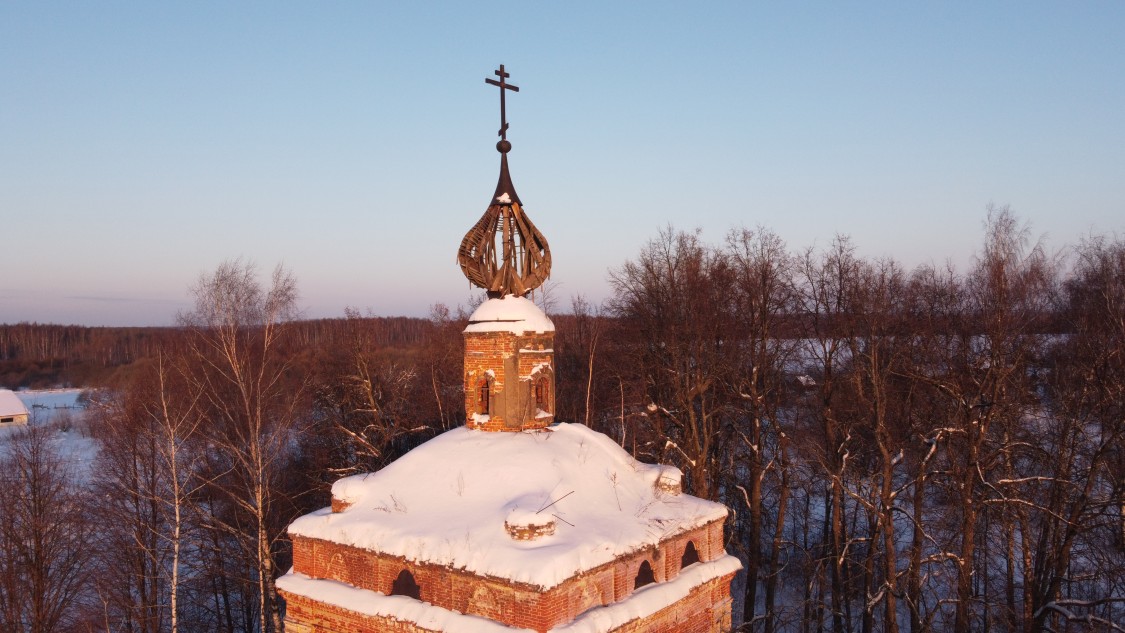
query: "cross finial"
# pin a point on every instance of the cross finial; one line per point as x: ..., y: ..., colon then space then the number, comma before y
x: 503, y: 85
x: 504, y: 253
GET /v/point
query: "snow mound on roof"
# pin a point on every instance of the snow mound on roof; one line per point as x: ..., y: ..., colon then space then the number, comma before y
x: 446, y: 502
x: 509, y: 314
x: 10, y: 404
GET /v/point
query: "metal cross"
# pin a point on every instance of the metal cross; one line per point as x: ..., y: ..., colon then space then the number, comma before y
x: 503, y: 86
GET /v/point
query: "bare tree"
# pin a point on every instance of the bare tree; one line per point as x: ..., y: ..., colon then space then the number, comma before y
x: 981, y: 368
x: 177, y: 422
x: 827, y: 284
x: 130, y: 549
x: 674, y: 299
x: 762, y: 295
x: 1075, y: 561
x: 45, y: 538
x: 441, y: 360
x: 367, y: 397
x: 234, y: 336
x: 583, y: 388
x: 934, y: 300
x: 876, y: 347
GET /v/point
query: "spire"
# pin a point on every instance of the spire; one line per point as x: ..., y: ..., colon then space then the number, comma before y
x: 504, y: 253
x: 504, y: 186
x: 505, y: 190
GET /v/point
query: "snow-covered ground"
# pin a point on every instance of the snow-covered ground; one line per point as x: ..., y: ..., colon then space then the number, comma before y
x: 58, y: 409
x: 49, y: 405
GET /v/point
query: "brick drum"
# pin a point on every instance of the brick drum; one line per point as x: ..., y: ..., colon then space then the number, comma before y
x: 512, y: 366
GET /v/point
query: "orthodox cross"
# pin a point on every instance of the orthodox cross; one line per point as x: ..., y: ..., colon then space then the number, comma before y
x: 503, y: 86
x: 504, y: 253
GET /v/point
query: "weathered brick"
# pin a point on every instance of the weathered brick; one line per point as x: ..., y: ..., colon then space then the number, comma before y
x: 511, y: 603
x: 512, y: 365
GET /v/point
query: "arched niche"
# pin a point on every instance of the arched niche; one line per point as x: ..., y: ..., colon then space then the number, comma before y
x: 484, y: 396
x: 405, y: 585
x: 644, y: 576
x: 541, y: 391
x: 691, y: 555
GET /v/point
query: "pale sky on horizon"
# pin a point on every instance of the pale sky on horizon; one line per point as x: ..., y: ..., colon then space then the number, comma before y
x: 142, y: 144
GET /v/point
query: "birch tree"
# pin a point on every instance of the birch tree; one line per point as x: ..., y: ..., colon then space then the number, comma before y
x: 235, y: 334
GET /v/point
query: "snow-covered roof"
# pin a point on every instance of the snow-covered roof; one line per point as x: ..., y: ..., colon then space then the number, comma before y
x: 509, y: 314
x: 10, y: 404
x: 446, y: 503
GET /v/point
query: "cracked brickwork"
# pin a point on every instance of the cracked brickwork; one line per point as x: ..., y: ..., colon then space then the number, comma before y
x: 513, y: 366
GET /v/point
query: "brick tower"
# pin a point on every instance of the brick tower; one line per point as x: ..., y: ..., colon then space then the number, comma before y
x: 512, y: 522
x: 509, y: 343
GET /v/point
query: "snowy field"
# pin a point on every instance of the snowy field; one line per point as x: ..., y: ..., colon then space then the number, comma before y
x: 58, y: 410
x: 48, y: 405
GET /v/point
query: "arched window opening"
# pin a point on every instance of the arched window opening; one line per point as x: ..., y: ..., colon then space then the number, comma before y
x: 644, y: 576
x: 404, y: 585
x: 483, y: 397
x: 691, y: 555
x: 543, y: 395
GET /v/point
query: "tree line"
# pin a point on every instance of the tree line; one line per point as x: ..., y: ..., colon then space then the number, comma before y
x: 45, y: 355
x: 926, y: 450
x: 922, y: 450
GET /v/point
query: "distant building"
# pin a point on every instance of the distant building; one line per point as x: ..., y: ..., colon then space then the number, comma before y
x: 513, y: 522
x: 12, y: 409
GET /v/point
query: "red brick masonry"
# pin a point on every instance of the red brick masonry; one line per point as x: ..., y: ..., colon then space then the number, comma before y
x: 512, y: 363
x: 705, y: 608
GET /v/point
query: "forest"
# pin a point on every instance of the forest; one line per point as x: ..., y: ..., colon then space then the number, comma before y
x: 900, y: 450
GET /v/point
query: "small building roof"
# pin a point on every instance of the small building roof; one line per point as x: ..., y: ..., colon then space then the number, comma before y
x: 10, y: 404
x: 447, y: 501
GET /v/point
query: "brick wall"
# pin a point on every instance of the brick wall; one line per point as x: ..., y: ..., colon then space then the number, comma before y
x: 514, y: 604
x: 511, y: 363
x: 303, y: 615
x: 706, y: 609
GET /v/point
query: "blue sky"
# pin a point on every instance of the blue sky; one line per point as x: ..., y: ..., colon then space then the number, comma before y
x: 142, y: 144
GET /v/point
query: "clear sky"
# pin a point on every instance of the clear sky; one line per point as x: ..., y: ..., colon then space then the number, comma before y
x: 143, y: 143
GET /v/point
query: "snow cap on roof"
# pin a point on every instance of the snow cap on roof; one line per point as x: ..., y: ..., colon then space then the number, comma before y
x: 10, y: 404
x: 447, y: 502
x: 509, y: 314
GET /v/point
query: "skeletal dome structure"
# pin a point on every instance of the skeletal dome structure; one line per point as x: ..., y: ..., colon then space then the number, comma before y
x: 504, y: 253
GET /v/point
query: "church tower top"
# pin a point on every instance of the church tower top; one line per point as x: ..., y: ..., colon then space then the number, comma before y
x: 504, y: 253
